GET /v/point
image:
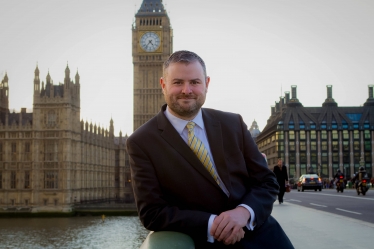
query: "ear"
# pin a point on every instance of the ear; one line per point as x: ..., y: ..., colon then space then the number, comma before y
x: 162, y: 83
x: 207, y: 81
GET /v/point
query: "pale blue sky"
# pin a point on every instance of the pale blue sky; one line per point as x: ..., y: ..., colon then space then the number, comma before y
x: 254, y: 51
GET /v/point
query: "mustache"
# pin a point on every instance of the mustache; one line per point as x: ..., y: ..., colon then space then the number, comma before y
x: 184, y: 96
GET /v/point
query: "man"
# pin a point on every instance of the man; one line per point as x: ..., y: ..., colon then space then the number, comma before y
x: 361, y: 174
x: 280, y: 171
x: 207, y: 178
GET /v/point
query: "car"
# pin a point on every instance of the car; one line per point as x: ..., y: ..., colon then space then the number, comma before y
x: 309, y: 181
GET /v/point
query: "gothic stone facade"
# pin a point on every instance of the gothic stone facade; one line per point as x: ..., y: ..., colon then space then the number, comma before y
x: 49, y: 159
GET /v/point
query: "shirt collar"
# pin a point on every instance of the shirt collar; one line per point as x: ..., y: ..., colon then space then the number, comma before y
x: 180, y: 124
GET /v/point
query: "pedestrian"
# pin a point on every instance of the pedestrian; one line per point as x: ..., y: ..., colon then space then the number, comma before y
x: 280, y: 172
x: 222, y: 197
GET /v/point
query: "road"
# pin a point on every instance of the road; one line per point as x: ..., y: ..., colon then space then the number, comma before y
x: 347, y: 204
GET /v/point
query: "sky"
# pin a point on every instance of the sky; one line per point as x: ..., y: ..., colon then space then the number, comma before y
x: 254, y: 50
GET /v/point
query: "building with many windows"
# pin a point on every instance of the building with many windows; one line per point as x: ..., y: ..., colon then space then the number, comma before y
x: 50, y: 159
x: 319, y: 139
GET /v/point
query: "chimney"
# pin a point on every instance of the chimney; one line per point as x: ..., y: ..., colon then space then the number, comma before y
x: 287, y: 96
x: 293, y: 101
x: 329, y: 101
x: 370, y: 100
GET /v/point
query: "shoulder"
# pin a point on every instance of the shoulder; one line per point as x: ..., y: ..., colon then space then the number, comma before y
x: 220, y: 114
x: 144, y: 130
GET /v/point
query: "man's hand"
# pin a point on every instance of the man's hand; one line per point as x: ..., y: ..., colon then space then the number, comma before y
x: 228, y: 226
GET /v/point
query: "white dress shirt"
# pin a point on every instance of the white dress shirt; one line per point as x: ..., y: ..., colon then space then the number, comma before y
x: 199, y: 130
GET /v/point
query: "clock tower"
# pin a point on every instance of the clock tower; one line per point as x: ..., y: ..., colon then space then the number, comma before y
x: 152, y: 44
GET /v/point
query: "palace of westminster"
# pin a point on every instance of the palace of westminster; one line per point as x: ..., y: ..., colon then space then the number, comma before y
x: 50, y: 159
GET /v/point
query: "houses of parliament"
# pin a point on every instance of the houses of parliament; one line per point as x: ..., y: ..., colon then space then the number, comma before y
x: 50, y: 159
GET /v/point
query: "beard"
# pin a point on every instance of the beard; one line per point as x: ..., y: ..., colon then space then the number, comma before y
x: 187, y: 110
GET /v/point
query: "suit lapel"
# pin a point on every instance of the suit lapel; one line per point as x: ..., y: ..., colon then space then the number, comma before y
x: 215, y: 139
x: 171, y: 136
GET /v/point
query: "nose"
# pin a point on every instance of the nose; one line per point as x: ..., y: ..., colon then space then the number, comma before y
x: 186, y: 88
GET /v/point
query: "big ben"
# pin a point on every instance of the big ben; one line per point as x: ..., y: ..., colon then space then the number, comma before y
x: 152, y: 44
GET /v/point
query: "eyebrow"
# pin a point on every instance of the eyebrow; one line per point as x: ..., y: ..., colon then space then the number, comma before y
x: 196, y: 79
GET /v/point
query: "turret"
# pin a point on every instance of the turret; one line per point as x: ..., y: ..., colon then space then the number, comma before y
x: 4, y: 93
x: 77, y: 78
x: 67, y: 77
x: 111, y: 128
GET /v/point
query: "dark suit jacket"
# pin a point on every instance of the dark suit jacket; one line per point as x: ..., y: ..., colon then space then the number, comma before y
x: 173, y: 191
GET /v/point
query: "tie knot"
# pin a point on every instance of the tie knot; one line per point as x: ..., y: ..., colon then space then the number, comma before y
x: 190, y: 125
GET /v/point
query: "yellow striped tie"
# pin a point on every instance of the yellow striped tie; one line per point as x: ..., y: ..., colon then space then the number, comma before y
x: 199, y: 149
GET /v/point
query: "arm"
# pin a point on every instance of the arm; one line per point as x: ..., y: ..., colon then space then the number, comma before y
x: 158, y: 210
x: 263, y: 188
x: 260, y: 187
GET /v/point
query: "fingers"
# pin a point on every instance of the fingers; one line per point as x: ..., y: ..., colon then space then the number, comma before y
x: 234, y: 237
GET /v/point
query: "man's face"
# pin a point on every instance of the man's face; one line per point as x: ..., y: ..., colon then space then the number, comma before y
x: 279, y: 162
x: 184, y: 87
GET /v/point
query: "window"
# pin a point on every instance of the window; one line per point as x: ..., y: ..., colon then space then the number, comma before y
x: 324, y: 145
x: 345, y: 134
x: 346, y: 157
x: 292, y: 145
x: 27, y: 179
x: 13, y: 151
x: 13, y: 179
x: 346, y: 145
x: 292, y: 158
x: 27, y: 152
x: 302, y: 145
x: 313, y: 157
x: 303, y: 157
x: 324, y: 157
x: 367, y: 134
x: 291, y: 135
x: 50, y: 150
x: 367, y: 157
x: 356, y: 134
x: 313, y: 145
x: 302, y: 135
x: 335, y: 134
x: 367, y: 145
x: 335, y: 157
x: 323, y: 134
x: 50, y: 179
x: 279, y: 135
x: 356, y: 145
x: 313, y: 135
x: 335, y: 145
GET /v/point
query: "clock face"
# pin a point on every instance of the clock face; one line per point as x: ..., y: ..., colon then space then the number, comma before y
x: 150, y: 41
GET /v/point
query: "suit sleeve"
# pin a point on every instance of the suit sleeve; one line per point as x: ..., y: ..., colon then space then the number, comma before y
x: 156, y: 210
x: 262, y: 186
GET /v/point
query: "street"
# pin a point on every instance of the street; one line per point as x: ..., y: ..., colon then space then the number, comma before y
x: 327, y: 219
x: 347, y: 204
